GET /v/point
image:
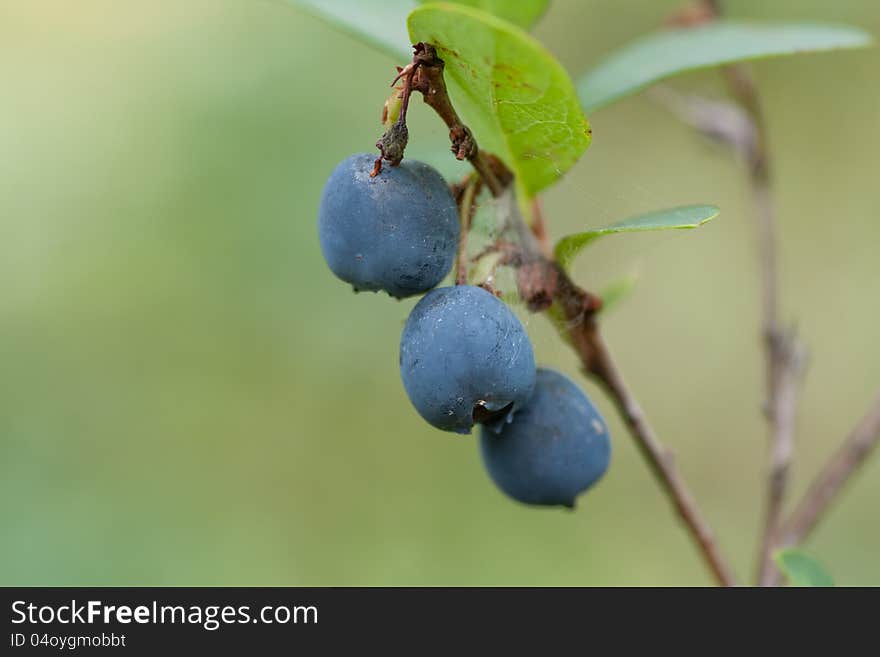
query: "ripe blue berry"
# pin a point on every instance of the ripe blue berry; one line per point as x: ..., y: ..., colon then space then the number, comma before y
x: 396, y: 232
x: 465, y: 358
x: 555, y: 448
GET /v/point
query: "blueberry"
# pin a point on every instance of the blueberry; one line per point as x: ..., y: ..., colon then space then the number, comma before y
x: 465, y: 358
x: 396, y: 232
x: 555, y: 448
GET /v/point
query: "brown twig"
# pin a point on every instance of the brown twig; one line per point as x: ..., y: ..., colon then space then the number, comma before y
x: 578, y: 309
x: 783, y: 355
x: 544, y: 285
x: 662, y: 462
x: 429, y: 81
x: 539, y: 228
x: 831, y: 480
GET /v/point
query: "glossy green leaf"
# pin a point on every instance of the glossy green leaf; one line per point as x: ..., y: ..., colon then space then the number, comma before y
x: 668, y: 53
x: 801, y: 569
x: 689, y: 216
x: 382, y: 23
x: 513, y: 94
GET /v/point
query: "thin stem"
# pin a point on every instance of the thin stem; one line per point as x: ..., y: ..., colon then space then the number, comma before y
x: 465, y: 214
x: 662, y: 462
x: 406, y: 74
x: 544, y: 285
x: 830, y: 481
x: 539, y: 228
x: 783, y: 356
x: 393, y: 141
x: 583, y: 335
x: 781, y: 369
x: 429, y: 80
x: 784, y: 363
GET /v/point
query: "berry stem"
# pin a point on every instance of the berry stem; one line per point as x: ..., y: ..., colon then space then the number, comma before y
x: 466, y: 208
x: 428, y: 79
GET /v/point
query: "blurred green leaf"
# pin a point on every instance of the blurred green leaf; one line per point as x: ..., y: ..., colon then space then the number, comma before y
x: 686, y: 217
x: 512, y: 93
x: 662, y: 55
x: 801, y: 569
x: 523, y: 13
x: 382, y: 23
x: 617, y: 291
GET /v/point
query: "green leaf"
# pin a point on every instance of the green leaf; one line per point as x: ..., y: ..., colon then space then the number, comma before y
x: 513, y: 94
x: 689, y: 216
x: 801, y: 569
x: 616, y: 291
x: 523, y: 13
x: 658, y: 56
x: 382, y: 23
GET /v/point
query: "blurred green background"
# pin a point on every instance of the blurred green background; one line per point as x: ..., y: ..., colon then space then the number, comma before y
x: 187, y: 395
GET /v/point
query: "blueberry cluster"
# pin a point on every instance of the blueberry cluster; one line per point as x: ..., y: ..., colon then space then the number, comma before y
x: 465, y: 358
